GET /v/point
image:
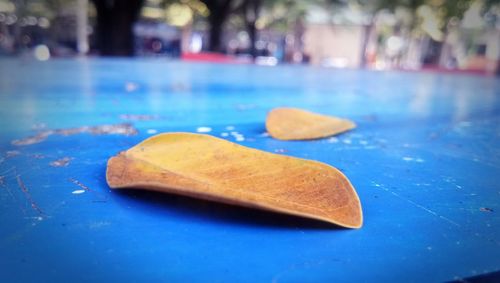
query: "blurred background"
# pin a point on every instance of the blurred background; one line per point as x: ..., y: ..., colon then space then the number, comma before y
x: 443, y: 35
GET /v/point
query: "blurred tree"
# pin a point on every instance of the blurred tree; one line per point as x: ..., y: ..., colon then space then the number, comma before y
x: 373, y: 7
x: 251, y: 12
x: 256, y: 14
x: 36, y: 21
x: 430, y: 17
x: 282, y: 15
x: 182, y: 13
x: 219, y: 13
x: 115, y: 19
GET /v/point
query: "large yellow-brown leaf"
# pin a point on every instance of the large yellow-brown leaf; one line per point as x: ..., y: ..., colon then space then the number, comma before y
x: 297, y: 124
x: 215, y: 169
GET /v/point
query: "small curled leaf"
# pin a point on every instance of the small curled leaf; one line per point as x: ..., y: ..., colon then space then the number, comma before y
x: 210, y: 168
x: 297, y: 124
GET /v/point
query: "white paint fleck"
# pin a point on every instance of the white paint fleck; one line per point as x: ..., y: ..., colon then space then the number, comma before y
x: 152, y: 131
x: 264, y: 134
x: 406, y: 158
x: 129, y: 86
x: 230, y: 128
x: 204, y: 129
x: 224, y: 134
x: 332, y: 140
x: 61, y: 162
x: 363, y: 142
x: 77, y: 192
x: 347, y: 141
x: 419, y: 160
x: 12, y: 153
x: 237, y: 136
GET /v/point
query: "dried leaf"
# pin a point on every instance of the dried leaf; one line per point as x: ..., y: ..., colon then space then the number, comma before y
x: 296, y: 124
x: 210, y: 168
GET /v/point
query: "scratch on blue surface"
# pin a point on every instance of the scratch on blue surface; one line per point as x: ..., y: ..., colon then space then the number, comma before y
x: 28, y: 196
x: 126, y: 129
x: 2, y: 183
x: 101, y: 198
x: 416, y: 204
x: 8, y: 170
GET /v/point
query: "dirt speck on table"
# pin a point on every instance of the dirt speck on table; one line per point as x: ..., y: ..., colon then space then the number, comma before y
x: 486, y: 209
x: 125, y: 129
x: 61, y: 162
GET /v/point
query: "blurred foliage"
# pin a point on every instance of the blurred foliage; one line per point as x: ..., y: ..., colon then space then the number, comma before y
x: 430, y: 17
x: 176, y: 13
x: 276, y: 14
x: 281, y: 15
x: 413, y: 18
x: 37, y: 8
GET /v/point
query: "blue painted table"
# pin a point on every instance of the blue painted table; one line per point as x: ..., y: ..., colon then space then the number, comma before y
x: 425, y: 160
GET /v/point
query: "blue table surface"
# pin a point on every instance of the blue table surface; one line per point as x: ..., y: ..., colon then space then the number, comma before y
x: 424, y: 159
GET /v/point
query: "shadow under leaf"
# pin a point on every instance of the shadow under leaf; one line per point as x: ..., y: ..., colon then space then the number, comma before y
x: 188, y: 207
